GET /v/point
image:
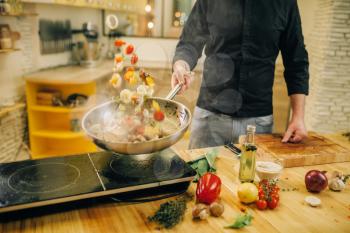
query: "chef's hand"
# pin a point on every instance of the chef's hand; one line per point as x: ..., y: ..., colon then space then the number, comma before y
x: 296, y: 131
x: 181, y: 74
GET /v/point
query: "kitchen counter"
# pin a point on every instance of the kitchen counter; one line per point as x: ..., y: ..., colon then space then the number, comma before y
x: 71, y: 74
x: 74, y: 74
x: 292, y: 215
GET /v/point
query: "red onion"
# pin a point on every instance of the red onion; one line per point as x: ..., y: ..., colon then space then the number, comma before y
x: 316, y: 181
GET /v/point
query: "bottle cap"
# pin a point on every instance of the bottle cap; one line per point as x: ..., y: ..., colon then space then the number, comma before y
x: 251, y: 128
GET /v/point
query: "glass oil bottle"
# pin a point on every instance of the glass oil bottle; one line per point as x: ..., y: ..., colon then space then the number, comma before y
x: 247, y: 161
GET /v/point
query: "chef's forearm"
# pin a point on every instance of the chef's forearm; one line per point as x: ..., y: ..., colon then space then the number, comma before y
x: 298, y: 106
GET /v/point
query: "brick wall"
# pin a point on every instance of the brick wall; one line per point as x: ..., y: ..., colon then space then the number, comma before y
x: 12, y: 132
x: 328, y: 106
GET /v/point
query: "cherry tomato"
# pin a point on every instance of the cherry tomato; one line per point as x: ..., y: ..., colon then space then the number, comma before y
x: 275, y: 196
x: 118, y: 59
x: 264, y: 182
x: 119, y: 43
x: 274, y: 190
x: 272, y: 204
x: 134, y: 59
x: 208, y: 188
x: 261, y: 194
x: 262, y: 197
x: 260, y: 191
x: 158, y: 116
x: 261, y: 204
x: 129, y: 49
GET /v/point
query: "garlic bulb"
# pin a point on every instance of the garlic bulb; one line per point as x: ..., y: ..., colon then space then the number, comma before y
x: 336, y: 184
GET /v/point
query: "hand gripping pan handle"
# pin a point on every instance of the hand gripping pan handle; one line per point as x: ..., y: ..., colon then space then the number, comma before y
x: 174, y: 91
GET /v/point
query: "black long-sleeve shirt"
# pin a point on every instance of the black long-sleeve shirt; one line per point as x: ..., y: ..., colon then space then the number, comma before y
x: 242, y: 39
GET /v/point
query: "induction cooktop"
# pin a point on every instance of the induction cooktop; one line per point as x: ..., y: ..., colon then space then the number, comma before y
x: 34, y: 183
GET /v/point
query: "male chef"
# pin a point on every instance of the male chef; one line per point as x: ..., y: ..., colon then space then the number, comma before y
x: 242, y: 39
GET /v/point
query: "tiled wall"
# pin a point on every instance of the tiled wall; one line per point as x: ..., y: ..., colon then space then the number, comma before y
x: 328, y: 106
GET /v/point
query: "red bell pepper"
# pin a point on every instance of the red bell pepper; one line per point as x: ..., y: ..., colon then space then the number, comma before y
x: 208, y: 188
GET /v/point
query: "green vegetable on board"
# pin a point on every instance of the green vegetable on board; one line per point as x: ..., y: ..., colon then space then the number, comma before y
x: 204, y: 164
x: 241, y: 221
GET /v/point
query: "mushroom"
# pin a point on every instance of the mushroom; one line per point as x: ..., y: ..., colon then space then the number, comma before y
x: 200, y: 211
x: 216, y: 209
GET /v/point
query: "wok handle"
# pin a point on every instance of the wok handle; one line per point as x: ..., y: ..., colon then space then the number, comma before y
x: 178, y: 87
x: 174, y: 91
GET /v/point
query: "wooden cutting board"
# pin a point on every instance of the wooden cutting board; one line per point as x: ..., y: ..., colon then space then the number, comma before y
x: 314, y: 150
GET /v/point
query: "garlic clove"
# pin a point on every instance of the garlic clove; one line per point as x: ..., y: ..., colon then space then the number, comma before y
x: 313, y: 201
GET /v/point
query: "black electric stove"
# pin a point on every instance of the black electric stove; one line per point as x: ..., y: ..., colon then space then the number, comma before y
x: 34, y: 183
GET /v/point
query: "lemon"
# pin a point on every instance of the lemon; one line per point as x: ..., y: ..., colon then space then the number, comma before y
x: 247, y: 193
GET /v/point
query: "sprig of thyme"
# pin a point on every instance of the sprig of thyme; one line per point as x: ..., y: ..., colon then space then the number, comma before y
x: 170, y: 213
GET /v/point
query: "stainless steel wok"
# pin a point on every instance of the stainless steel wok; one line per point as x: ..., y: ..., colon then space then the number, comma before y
x: 173, y: 109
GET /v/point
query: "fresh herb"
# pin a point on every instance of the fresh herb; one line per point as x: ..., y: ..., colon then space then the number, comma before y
x: 241, y: 221
x: 204, y: 164
x: 170, y: 213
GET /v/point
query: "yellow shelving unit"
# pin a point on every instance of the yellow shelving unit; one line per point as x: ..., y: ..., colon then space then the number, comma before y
x: 57, y: 134
x: 50, y: 127
x: 8, y: 50
x: 41, y: 108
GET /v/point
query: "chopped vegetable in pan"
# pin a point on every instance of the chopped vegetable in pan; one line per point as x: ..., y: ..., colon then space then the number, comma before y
x: 134, y: 118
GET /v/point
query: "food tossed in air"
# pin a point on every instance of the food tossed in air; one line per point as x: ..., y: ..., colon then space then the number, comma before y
x: 134, y: 118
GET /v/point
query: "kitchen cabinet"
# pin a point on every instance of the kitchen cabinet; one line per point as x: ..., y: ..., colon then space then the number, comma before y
x: 50, y: 127
x: 54, y: 130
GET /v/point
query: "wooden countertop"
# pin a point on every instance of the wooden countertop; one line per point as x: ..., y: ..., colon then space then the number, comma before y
x: 71, y: 74
x: 292, y: 215
x: 74, y: 74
